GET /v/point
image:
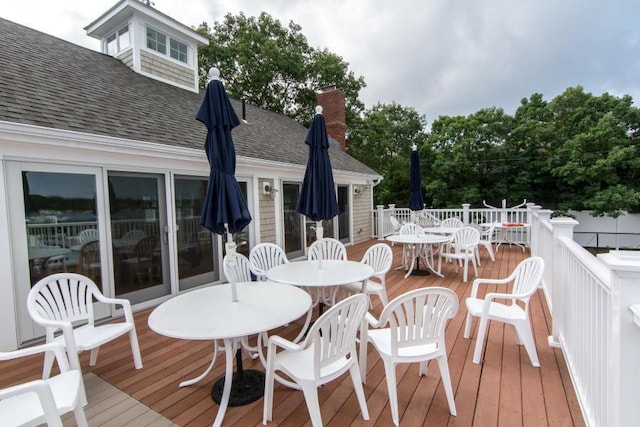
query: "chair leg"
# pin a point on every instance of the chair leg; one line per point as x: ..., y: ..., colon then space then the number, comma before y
x: 94, y: 356
x: 390, y: 373
x: 135, y: 348
x: 446, y: 382
x: 357, y: 385
x: 268, y: 391
x: 310, y: 391
x: 490, y: 250
x: 465, y: 272
x: 523, y: 329
x: 81, y: 419
x: 48, y: 364
x: 467, y: 325
x: 482, y: 329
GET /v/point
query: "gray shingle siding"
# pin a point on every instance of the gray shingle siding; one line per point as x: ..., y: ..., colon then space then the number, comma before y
x: 48, y: 82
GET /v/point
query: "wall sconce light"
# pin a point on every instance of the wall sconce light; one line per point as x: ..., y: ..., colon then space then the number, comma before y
x: 357, y: 191
x: 268, y: 189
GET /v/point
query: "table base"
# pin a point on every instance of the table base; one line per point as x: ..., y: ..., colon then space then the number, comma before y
x: 420, y: 273
x: 247, y: 387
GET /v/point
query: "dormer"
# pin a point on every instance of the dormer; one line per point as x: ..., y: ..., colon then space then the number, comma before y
x: 150, y: 42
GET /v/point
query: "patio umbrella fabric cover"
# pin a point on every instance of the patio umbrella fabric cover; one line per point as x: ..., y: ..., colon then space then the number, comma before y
x: 416, y: 203
x: 317, y: 199
x: 224, y: 203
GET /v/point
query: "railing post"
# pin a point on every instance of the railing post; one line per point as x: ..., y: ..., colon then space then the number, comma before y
x: 562, y: 227
x: 465, y: 213
x: 624, y: 338
x: 380, y: 209
x: 534, y: 220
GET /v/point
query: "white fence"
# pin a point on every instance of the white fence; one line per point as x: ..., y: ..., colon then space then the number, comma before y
x: 589, y: 299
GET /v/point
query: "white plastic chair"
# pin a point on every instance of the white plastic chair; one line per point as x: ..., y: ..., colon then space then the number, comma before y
x: 413, y: 338
x: 327, y: 352
x: 240, y: 271
x: 380, y: 258
x: 44, y: 401
x: 88, y: 235
x: 410, y: 250
x: 526, y: 277
x: 462, y: 249
x: 486, y: 240
x: 452, y: 222
x: 265, y: 256
x: 395, y: 224
x: 326, y: 249
x: 60, y: 301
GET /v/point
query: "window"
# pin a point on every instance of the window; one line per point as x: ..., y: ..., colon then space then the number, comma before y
x: 158, y: 41
x: 178, y: 50
x: 118, y: 41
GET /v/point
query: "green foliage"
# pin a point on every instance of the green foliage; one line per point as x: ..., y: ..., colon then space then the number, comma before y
x: 273, y: 66
x: 578, y: 151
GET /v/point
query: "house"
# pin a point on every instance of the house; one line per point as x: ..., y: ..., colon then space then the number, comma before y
x: 106, y: 146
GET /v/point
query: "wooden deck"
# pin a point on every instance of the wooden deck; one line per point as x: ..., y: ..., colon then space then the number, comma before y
x: 504, y: 391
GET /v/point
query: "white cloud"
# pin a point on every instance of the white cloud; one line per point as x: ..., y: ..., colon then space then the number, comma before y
x: 441, y: 57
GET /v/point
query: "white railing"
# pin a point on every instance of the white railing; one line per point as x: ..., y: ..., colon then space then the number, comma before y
x: 382, y: 225
x: 589, y: 298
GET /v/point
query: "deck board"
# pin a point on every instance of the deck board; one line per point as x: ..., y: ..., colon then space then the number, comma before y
x: 505, y: 390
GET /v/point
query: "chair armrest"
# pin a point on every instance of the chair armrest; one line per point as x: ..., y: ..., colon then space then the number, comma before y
x: 490, y: 297
x: 124, y: 303
x: 278, y: 341
x: 370, y: 318
x: 56, y: 347
x: 478, y: 282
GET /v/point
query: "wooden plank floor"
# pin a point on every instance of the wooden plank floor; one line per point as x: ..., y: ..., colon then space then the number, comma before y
x: 503, y: 391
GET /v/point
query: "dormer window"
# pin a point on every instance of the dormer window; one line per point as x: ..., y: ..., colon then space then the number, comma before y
x: 118, y: 41
x: 158, y: 41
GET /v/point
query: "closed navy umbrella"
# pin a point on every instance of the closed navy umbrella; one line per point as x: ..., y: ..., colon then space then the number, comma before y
x: 225, y: 211
x: 317, y: 199
x: 416, y: 203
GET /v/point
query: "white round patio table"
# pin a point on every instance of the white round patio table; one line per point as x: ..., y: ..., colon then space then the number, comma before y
x: 417, y: 245
x: 440, y: 230
x: 209, y: 314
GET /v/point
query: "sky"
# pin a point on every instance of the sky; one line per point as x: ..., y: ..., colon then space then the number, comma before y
x: 440, y: 57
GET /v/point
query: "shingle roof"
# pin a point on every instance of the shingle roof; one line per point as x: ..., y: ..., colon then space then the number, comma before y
x: 46, y: 81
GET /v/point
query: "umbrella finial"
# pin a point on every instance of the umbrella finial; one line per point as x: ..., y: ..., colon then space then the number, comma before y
x: 214, y: 74
x: 414, y: 147
x: 318, y: 109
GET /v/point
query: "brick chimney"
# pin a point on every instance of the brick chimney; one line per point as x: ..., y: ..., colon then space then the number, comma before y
x: 332, y: 101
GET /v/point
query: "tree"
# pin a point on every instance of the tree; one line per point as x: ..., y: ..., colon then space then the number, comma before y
x: 273, y: 67
x: 382, y: 139
x: 597, y: 158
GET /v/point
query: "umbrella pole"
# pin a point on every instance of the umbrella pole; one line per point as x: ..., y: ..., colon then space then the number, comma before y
x: 319, y: 236
x: 230, y: 247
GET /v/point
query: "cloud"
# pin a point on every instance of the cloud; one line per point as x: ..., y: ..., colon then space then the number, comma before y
x: 441, y: 57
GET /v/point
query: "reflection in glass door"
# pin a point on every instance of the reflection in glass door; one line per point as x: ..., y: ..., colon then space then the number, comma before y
x: 293, y: 221
x: 62, y: 226
x: 343, y: 215
x: 196, y: 244
x: 138, y: 235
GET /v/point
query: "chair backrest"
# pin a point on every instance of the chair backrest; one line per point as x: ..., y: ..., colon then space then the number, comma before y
x: 62, y: 296
x: 466, y: 238
x: 410, y: 228
x: 327, y: 248
x: 145, y: 247
x: 134, y: 235
x: 334, y: 334
x: 88, y: 235
x: 486, y: 234
x: 265, y: 256
x: 380, y: 258
x: 452, y: 222
x: 240, y: 271
x: 526, y: 277
x: 395, y: 223
x: 437, y: 305
x: 89, y: 254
